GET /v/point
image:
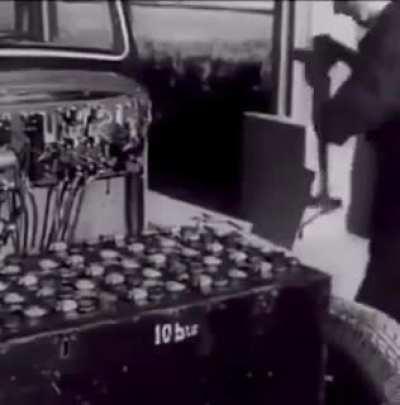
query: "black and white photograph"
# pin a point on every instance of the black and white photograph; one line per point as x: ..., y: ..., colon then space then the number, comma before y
x: 199, y: 202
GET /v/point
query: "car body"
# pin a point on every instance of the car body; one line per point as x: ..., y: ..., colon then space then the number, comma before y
x: 72, y: 55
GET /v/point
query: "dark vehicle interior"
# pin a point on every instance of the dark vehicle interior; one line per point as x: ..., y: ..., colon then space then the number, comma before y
x: 201, y: 83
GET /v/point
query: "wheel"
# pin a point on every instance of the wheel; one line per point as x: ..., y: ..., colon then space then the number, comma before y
x: 363, y: 355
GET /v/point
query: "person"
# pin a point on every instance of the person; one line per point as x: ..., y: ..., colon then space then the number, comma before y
x: 369, y: 102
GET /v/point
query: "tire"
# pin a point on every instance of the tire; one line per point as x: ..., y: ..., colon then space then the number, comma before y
x: 363, y: 355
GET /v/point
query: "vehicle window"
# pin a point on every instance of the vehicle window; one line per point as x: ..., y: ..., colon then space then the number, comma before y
x: 203, y: 37
x: 204, y: 63
x: 91, y: 25
x: 7, y: 18
x: 82, y: 24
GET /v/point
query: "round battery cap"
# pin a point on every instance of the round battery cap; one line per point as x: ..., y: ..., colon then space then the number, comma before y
x: 185, y: 276
x: 138, y: 294
x: 95, y: 270
x: 148, y: 272
x: 86, y: 305
x: 265, y: 270
x: 167, y: 243
x: 215, y: 247
x: 48, y: 264
x: 136, y: 248
x: 238, y: 256
x: 85, y: 284
x: 58, y: 247
x: 190, y: 253
x: 151, y: 282
x: 205, y: 283
x: 67, y: 272
x: 205, y: 280
x: 237, y: 274
x: 114, y: 278
x: 220, y: 282
x: 119, y: 240
x: 212, y: 261
x: 175, y: 286
x: 157, y: 259
x: 130, y: 264
x: 35, y: 311
x: 46, y: 292
x: 13, y: 298
x: 28, y: 280
x: 108, y: 254
x: 3, y: 286
x: 67, y: 305
x: 11, y: 269
x: 193, y: 236
x: 76, y: 260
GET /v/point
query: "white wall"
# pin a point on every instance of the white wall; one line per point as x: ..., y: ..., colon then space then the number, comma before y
x: 327, y: 243
x: 313, y: 18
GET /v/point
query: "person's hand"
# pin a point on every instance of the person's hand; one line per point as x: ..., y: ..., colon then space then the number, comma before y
x: 320, y: 61
x: 325, y: 45
x: 333, y: 51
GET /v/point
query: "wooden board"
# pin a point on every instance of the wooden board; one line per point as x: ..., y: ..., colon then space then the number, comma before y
x: 276, y: 186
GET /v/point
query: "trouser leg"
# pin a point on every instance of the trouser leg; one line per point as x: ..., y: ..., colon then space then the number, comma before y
x: 381, y: 285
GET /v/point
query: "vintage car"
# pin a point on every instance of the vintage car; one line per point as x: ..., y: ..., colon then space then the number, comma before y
x: 73, y: 167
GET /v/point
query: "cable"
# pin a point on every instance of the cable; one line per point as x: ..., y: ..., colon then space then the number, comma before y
x: 310, y: 220
x: 35, y: 218
x: 69, y: 207
x: 78, y: 210
x: 23, y: 193
x: 24, y: 219
x: 57, y: 210
x: 12, y: 212
x: 60, y: 192
x: 46, y: 218
x: 61, y: 209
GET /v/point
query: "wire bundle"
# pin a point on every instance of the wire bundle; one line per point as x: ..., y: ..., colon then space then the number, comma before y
x: 60, y: 216
x: 61, y: 220
x: 20, y: 223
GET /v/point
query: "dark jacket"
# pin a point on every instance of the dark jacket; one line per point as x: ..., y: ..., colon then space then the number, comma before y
x: 369, y: 102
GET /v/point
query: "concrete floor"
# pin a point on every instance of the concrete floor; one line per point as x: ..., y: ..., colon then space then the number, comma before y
x: 326, y: 243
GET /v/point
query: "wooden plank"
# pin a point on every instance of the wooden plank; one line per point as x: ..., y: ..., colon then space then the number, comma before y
x: 275, y: 185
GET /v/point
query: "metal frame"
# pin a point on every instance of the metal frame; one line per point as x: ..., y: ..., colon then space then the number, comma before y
x: 283, y: 55
x: 41, y: 52
x: 207, y: 6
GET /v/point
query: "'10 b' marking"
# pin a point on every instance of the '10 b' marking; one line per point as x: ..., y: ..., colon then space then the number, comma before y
x: 174, y: 333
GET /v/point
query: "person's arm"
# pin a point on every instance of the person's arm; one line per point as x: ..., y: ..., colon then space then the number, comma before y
x: 367, y: 99
x: 330, y: 49
x: 326, y: 52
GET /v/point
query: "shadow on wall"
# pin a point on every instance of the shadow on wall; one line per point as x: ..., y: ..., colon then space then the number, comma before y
x: 199, y: 94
